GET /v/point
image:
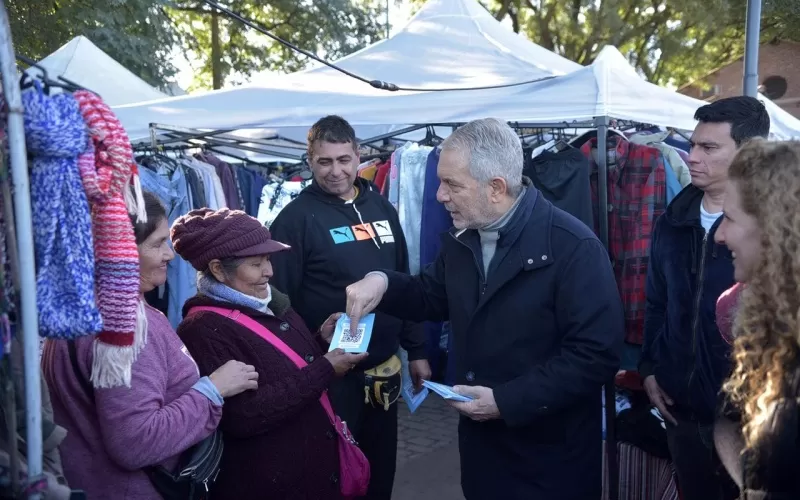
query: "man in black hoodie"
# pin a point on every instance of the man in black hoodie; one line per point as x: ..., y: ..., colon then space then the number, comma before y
x: 340, y: 228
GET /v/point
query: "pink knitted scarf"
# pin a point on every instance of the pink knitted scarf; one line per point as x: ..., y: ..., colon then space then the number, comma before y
x: 107, y: 171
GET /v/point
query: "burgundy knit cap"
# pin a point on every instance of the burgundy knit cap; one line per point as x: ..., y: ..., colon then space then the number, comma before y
x: 204, y: 235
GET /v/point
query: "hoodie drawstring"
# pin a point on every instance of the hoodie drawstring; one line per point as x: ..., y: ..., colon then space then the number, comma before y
x: 361, y: 220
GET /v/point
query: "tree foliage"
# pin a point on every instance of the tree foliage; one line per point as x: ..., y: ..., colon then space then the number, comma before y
x: 669, y: 42
x: 145, y: 35
x: 330, y: 28
x: 137, y: 33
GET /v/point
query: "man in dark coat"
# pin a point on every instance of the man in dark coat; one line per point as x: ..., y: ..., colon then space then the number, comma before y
x: 536, y: 317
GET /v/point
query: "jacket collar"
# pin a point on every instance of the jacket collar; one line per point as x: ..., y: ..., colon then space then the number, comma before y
x: 534, y: 214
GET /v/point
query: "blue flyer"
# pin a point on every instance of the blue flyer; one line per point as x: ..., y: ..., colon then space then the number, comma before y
x: 352, y: 342
x: 445, y: 391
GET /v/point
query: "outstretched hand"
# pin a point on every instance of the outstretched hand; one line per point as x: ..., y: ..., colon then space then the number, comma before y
x: 363, y: 297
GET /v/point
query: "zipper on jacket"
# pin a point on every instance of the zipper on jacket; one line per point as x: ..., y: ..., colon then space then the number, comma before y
x: 698, y: 299
x: 477, y: 265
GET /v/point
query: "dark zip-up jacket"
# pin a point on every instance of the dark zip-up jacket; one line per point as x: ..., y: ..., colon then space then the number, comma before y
x: 334, y: 244
x: 687, y: 273
x: 543, y: 329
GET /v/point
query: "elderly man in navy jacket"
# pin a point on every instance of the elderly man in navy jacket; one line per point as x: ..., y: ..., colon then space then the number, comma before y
x: 536, y: 317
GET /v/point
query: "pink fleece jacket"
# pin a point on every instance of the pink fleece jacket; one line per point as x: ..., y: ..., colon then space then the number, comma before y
x: 112, y: 438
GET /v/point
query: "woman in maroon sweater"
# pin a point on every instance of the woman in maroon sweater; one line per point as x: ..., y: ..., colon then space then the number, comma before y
x: 279, y: 442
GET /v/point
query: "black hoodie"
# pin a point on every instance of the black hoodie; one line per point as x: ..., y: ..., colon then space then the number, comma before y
x: 334, y: 244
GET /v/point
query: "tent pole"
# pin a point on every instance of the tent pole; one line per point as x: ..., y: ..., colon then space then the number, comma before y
x: 752, y: 40
x: 23, y: 221
x: 602, y: 177
x: 608, y: 389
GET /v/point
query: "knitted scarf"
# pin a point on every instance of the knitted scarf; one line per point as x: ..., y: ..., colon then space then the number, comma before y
x: 106, y: 176
x: 213, y: 289
x: 62, y: 232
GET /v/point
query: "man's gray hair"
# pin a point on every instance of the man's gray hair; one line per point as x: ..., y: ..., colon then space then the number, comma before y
x: 492, y: 149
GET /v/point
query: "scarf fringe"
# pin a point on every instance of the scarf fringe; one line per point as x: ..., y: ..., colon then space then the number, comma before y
x: 134, y: 201
x: 112, y: 366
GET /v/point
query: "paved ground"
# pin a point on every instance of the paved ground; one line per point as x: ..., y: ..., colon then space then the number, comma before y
x: 427, y: 453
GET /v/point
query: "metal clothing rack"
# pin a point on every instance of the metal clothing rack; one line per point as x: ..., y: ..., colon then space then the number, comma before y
x: 28, y: 317
x: 161, y: 135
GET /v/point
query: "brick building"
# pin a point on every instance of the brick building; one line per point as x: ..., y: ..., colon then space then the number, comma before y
x: 778, y: 73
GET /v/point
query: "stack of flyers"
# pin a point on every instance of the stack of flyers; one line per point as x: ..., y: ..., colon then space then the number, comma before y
x: 445, y: 391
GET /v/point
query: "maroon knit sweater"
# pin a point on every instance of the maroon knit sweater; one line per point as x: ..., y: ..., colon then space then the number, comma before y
x: 279, y: 442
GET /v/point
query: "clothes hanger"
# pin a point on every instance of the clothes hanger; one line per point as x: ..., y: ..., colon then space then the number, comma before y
x: 26, y: 81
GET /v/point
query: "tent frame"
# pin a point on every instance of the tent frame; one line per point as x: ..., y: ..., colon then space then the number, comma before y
x: 161, y: 135
x: 23, y: 220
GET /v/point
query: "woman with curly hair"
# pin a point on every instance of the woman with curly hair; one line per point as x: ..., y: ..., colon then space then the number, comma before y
x: 758, y: 438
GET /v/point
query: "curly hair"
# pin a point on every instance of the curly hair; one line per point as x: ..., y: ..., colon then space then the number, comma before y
x: 767, y: 325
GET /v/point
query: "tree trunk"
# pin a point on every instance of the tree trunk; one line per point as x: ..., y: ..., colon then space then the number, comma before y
x: 216, y: 52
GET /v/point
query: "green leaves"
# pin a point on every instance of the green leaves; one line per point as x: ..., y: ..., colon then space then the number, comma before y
x: 145, y: 35
x: 137, y: 33
x: 670, y: 42
x: 329, y: 28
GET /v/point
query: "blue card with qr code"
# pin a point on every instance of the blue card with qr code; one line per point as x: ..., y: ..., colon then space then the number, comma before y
x: 353, y: 342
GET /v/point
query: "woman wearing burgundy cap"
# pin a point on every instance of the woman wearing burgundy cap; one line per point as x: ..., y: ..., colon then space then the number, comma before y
x: 279, y: 441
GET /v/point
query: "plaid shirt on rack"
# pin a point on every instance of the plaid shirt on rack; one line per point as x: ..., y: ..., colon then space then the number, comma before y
x: 637, y: 195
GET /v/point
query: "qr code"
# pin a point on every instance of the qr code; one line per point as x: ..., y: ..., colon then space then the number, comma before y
x: 349, y: 339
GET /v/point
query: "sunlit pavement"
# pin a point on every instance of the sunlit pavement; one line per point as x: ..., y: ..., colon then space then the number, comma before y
x: 427, y: 453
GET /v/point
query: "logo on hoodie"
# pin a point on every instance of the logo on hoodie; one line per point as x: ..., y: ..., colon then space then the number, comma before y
x: 342, y: 235
x: 384, y: 231
x: 381, y: 230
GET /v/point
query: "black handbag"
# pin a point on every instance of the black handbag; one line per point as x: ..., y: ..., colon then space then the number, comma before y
x: 193, y: 475
x: 198, y: 466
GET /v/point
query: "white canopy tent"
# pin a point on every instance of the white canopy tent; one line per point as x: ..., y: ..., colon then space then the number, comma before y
x: 448, y: 43
x: 84, y: 63
x: 609, y: 87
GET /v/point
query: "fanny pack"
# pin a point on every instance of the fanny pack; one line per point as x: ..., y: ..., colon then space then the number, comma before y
x: 382, y: 384
x: 354, y: 469
x: 197, y: 468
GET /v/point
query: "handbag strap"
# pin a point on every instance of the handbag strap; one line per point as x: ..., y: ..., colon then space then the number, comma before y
x: 263, y: 332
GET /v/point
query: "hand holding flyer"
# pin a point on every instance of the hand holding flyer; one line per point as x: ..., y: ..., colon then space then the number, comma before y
x: 445, y: 391
x: 349, y: 341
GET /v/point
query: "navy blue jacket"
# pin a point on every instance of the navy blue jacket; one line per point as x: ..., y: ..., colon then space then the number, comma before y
x: 544, y: 331
x: 688, y: 272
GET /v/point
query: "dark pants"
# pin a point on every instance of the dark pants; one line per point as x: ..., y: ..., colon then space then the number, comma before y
x: 374, y: 428
x: 701, y: 475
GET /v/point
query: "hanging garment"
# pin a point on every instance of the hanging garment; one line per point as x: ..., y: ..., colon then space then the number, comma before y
x: 412, y: 182
x: 170, y: 187
x: 393, y: 192
x: 563, y: 178
x: 673, y: 185
x: 435, y: 220
x: 641, y: 476
x: 7, y: 293
x: 275, y: 196
x: 197, y: 192
x: 225, y: 175
x: 244, y: 179
x: 637, y: 195
x: 679, y: 167
x: 62, y: 228
x: 106, y: 169
x: 381, y: 174
x: 234, y: 172
x: 215, y: 196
